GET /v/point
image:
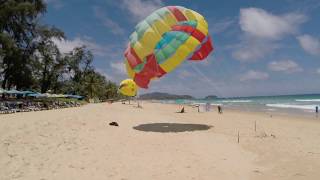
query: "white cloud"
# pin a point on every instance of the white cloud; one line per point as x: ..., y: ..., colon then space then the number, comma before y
x: 66, y: 46
x: 262, y: 24
x: 139, y: 9
x: 310, y: 44
x: 251, y: 50
x: 287, y: 66
x: 261, y: 32
x: 318, y: 70
x: 110, y: 24
x: 254, y: 75
x: 119, y: 67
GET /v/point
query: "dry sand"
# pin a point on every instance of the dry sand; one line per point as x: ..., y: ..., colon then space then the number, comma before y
x: 156, y: 143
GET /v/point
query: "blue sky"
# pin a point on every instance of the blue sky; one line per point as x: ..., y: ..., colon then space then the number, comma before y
x: 261, y: 47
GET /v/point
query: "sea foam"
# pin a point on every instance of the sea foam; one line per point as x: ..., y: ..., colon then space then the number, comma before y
x: 291, y: 106
x: 308, y: 100
x: 236, y: 101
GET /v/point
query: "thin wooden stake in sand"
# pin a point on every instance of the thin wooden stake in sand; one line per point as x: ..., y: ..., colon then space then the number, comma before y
x: 255, y: 126
x: 238, y: 137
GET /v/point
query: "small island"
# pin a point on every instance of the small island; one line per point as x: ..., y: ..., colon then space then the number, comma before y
x: 211, y: 97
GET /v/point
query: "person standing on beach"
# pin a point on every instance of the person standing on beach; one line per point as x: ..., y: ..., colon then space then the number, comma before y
x: 182, y: 110
x: 317, y: 109
x: 207, y: 107
x: 219, y: 109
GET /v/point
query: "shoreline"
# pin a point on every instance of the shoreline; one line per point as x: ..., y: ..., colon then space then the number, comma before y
x: 251, y: 109
x: 282, y: 113
x: 292, y: 113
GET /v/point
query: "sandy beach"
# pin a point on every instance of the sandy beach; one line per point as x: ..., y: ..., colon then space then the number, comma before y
x: 156, y: 143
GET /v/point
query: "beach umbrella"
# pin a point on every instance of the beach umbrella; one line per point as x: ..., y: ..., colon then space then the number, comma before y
x: 57, y: 95
x: 27, y: 92
x: 13, y: 91
x: 36, y: 95
x: 46, y: 95
x: 53, y: 96
x: 33, y: 95
x: 61, y: 96
x: 2, y: 91
x: 74, y: 96
x: 163, y: 40
x: 78, y: 97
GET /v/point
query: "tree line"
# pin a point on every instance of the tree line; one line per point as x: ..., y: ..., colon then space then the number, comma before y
x: 30, y: 60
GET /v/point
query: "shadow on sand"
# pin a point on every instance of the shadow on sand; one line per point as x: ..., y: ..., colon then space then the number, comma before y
x: 171, y: 127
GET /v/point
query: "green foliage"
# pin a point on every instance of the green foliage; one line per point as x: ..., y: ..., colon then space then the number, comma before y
x: 18, y: 20
x: 49, y: 64
x: 29, y: 58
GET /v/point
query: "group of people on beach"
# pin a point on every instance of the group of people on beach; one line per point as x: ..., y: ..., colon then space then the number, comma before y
x: 208, y: 106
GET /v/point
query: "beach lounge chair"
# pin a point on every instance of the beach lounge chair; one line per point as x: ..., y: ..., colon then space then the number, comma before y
x: 4, y: 109
x: 182, y: 110
x: 11, y: 107
x: 32, y: 107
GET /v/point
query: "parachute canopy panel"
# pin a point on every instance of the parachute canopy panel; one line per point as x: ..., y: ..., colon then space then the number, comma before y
x: 162, y: 41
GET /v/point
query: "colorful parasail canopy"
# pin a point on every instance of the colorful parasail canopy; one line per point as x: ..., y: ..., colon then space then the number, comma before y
x: 128, y: 87
x: 162, y: 41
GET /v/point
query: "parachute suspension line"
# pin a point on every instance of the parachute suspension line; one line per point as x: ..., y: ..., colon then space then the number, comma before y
x: 218, y: 92
x: 236, y: 115
x: 210, y: 82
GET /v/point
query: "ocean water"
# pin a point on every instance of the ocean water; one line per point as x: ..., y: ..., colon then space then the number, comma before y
x: 297, y: 104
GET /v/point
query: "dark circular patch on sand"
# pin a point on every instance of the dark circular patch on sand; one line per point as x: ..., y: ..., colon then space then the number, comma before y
x: 171, y: 127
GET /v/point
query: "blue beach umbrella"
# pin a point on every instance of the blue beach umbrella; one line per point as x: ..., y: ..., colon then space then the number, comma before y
x: 36, y: 95
x: 13, y: 91
x: 27, y: 92
x: 74, y: 96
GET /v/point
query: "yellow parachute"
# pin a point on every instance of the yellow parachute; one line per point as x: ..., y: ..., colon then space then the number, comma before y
x: 128, y: 88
